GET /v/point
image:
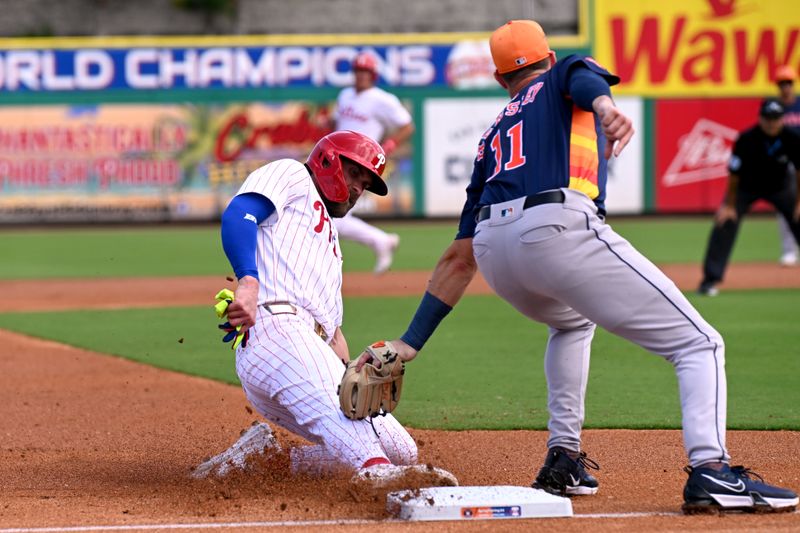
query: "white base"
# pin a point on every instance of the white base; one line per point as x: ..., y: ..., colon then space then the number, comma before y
x: 475, y: 503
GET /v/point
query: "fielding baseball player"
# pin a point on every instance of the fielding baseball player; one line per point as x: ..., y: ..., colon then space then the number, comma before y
x: 379, y: 115
x: 785, y: 77
x: 533, y: 222
x: 278, y: 236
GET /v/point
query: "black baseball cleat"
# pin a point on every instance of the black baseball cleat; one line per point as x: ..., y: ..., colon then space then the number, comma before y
x: 563, y: 476
x: 733, y: 489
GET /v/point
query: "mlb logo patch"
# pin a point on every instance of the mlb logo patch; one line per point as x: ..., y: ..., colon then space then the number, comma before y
x: 506, y: 212
x: 521, y: 60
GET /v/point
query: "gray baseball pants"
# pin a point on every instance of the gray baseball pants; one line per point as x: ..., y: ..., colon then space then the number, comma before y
x: 561, y: 265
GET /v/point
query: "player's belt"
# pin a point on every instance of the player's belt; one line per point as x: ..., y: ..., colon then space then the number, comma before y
x: 281, y: 308
x: 547, y: 197
x: 285, y: 308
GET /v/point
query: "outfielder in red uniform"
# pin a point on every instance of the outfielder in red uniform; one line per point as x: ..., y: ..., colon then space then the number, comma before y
x: 533, y: 222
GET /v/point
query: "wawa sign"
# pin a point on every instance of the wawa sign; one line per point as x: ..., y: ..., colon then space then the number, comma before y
x: 696, y: 47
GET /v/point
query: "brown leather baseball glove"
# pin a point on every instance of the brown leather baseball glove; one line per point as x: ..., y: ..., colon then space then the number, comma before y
x: 375, y: 390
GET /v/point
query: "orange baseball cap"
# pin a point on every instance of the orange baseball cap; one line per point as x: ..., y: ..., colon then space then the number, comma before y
x: 785, y: 73
x: 516, y: 44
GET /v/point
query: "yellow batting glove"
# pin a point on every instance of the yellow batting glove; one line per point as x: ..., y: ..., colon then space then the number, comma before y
x: 224, y: 298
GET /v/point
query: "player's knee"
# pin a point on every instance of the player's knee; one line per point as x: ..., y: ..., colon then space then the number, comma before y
x: 403, y: 451
x: 409, y: 454
x: 712, y: 338
x: 707, y: 342
x: 718, y: 346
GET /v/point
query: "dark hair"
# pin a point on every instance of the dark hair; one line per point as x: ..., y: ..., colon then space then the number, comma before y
x: 514, y: 75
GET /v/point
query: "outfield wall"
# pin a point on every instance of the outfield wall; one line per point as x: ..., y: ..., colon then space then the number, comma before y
x: 166, y: 128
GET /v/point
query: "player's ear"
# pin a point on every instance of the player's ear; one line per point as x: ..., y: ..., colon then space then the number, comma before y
x: 500, y: 80
x: 552, y: 57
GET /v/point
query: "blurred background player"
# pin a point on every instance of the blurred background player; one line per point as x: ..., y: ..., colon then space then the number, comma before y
x: 758, y: 170
x: 379, y: 115
x: 785, y: 77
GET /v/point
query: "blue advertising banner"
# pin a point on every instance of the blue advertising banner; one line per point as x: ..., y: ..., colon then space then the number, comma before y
x: 156, y: 68
x: 95, y: 65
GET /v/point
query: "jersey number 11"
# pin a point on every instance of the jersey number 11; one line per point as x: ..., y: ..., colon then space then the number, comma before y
x: 516, y: 159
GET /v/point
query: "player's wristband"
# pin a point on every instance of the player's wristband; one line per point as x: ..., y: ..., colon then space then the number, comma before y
x: 430, y: 312
x: 389, y: 146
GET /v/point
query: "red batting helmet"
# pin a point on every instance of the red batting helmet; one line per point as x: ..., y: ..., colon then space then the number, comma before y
x: 326, y: 164
x: 366, y: 61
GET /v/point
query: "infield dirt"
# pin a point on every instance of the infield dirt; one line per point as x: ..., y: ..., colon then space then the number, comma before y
x: 91, y: 440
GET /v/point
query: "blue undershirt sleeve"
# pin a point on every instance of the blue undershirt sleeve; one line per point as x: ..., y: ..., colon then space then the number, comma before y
x: 586, y: 85
x: 239, y: 231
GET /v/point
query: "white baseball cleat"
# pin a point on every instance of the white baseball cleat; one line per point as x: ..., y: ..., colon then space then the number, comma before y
x: 257, y: 440
x: 708, y: 288
x: 788, y: 259
x: 389, y: 477
x: 385, y: 253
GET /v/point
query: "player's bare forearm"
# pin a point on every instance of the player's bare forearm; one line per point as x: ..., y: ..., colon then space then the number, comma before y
x: 403, y: 133
x: 339, y: 346
x: 397, y: 138
x: 242, y: 310
x: 617, y: 127
x: 453, y: 272
x: 449, y: 281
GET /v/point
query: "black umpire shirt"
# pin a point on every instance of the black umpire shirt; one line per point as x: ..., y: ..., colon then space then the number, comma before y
x: 761, y: 162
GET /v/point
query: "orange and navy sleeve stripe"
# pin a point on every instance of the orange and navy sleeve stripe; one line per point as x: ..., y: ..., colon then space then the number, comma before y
x: 583, y: 157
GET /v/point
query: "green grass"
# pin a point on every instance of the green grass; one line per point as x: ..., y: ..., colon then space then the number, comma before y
x: 483, y: 368
x: 175, y: 251
x: 111, y: 252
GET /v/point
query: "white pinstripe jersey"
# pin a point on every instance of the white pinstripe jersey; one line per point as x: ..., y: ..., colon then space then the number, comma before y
x: 298, y: 255
x: 370, y: 112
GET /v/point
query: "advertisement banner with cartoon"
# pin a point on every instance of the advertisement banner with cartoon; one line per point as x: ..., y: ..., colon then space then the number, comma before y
x: 131, y: 162
x: 102, y: 128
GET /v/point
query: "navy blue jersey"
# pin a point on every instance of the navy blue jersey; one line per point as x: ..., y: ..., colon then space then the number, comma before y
x: 541, y: 140
x: 762, y: 162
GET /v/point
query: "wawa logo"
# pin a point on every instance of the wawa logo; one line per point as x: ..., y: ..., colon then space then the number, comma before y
x: 703, y: 154
x: 722, y: 8
x: 717, y: 44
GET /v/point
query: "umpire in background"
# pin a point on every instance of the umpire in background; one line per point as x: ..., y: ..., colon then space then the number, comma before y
x: 785, y: 76
x: 757, y: 170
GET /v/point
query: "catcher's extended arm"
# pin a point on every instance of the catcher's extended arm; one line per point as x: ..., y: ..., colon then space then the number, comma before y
x: 375, y: 390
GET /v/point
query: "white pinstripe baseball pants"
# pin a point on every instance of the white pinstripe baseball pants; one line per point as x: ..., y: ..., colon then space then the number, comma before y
x: 290, y: 375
